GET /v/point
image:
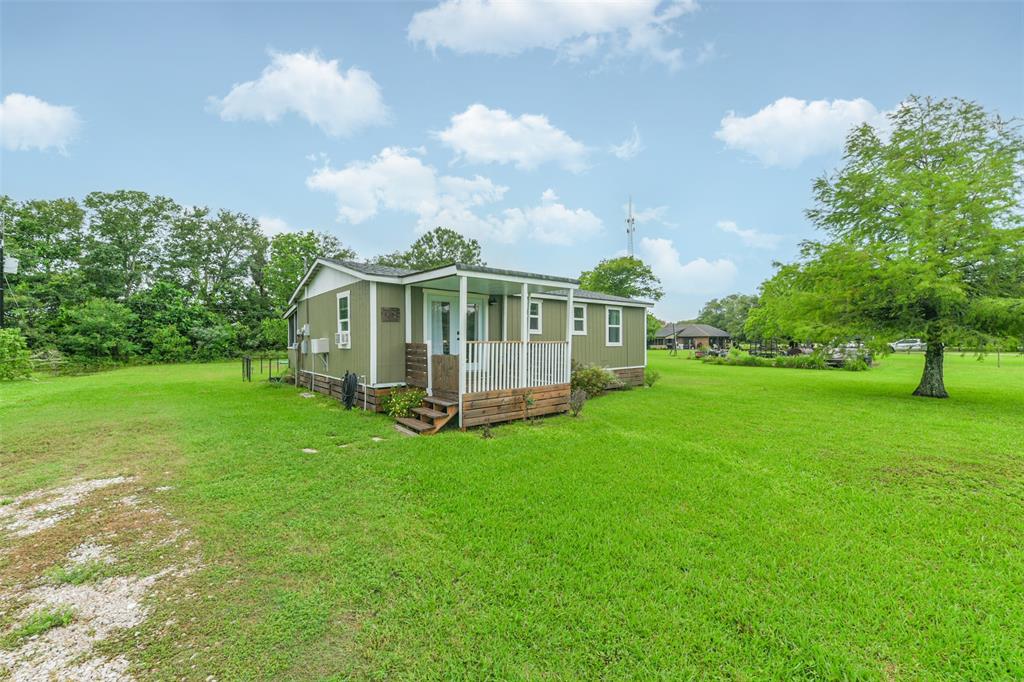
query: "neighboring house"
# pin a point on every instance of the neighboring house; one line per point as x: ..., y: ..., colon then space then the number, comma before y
x: 691, y: 335
x: 395, y: 327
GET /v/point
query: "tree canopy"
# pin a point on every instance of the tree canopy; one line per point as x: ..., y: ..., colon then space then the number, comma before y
x: 924, y: 237
x: 729, y: 313
x: 626, y: 276
x: 441, y: 246
x: 125, y: 274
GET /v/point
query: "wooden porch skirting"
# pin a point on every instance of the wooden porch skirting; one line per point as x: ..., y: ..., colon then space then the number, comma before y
x: 634, y: 376
x: 416, y: 364
x: 332, y: 387
x: 490, y: 407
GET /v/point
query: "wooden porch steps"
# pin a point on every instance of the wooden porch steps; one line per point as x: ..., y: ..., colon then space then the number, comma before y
x: 433, y: 414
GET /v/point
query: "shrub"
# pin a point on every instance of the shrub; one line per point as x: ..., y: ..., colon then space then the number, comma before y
x: 400, y: 402
x: 215, y: 341
x: 651, y: 377
x: 592, y: 379
x: 169, y: 345
x: 576, y: 401
x: 855, y: 365
x: 813, y: 361
x: 15, y: 361
x: 98, y: 330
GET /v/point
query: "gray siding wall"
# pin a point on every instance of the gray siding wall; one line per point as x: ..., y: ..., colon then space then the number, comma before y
x: 390, y: 335
x: 591, y: 349
x: 321, y: 312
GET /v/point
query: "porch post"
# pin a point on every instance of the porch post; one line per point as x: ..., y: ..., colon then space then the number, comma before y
x: 568, y: 334
x: 408, y: 314
x: 463, y: 314
x: 524, y: 333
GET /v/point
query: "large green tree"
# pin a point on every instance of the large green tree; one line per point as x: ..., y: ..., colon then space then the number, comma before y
x: 626, y: 276
x: 924, y: 237
x: 46, y: 237
x: 126, y: 232
x: 291, y: 254
x: 441, y: 246
x: 729, y: 313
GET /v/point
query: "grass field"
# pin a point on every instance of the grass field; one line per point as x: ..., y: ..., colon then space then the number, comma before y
x: 731, y: 522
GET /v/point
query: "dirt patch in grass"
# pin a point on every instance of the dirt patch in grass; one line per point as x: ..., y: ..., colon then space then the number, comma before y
x: 80, y: 566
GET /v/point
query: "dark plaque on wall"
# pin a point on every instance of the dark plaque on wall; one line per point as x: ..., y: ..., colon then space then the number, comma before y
x: 390, y: 314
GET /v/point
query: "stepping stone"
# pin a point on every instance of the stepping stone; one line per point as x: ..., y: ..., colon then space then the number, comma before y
x: 310, y: 451
x: 307, y: 394
x: 376, y: 439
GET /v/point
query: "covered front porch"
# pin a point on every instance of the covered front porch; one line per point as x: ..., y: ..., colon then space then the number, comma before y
x: 470, y: 339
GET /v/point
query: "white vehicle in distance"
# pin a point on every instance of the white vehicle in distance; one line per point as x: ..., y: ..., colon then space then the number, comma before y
x: 908, y: 345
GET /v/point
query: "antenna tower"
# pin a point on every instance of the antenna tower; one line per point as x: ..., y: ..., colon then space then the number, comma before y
x: 630, y: 228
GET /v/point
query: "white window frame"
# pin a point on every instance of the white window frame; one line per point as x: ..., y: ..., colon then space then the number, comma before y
x: 608, y: 326
x: 583, y: 307
x: 539, y: 316
x: 348, y: 321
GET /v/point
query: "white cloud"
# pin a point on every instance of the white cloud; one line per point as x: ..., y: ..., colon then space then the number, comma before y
x: 574, y: 30
x: 27, y: 122
x: 698, y: 276
x: 271, y: 225
x: 655, y: 214
x: 789, y: 130
x: 630, y: 147
x: 484, y: 135
x: 397, y: 180
x: 752, y: 238
x: 316, y: 89
x: 706, y: 53
x: 552, y: 222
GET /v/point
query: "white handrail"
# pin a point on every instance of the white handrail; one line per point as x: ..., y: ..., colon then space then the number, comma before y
x: 495, y: 365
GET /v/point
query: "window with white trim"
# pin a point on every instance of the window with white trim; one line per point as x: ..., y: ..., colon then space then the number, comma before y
x: 535, y: 317
x: 291, y: 331
x: 343, y: 339
x: 579, y: 319
x: 613, y: 327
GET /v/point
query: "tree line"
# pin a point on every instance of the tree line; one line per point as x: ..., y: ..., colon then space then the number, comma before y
x: 125, y: 275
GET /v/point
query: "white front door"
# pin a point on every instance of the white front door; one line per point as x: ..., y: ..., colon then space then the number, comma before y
x: 442, y: 315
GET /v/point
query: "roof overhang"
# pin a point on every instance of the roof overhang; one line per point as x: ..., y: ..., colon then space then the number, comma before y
x: 443, y: 272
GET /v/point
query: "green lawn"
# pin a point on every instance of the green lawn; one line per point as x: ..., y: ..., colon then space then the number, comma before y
x: 731, y: 522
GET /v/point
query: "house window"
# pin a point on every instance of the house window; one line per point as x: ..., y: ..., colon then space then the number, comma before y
x: 579, y: 319
x: 291, y: 331
x: 535, y: 317
x: 613, y: 327
x: 343, y: 339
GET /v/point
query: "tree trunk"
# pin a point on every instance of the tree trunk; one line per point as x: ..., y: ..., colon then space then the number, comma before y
x: 932, y: 385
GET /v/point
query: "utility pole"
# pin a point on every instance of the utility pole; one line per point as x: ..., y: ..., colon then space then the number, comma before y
x: 630, y: 228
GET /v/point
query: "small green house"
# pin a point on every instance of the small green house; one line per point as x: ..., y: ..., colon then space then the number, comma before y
x: 460, y: 332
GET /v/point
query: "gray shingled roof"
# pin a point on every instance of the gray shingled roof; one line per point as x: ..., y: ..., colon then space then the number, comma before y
x: 388, y: 271
x: 596, y: 296
x: 690, y: 330
x: 372, y: 268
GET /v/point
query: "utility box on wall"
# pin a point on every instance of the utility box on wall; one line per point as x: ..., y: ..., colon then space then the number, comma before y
x: 320, y: 345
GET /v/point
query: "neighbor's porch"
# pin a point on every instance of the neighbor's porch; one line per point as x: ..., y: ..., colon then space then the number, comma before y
x: 463, y: 344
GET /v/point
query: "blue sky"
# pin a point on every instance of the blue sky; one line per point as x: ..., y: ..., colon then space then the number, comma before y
x: 524, y: 124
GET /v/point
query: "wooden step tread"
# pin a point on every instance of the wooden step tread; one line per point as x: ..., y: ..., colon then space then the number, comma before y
x: 427, y: 412
x: 414, y: 424
x: 441, y: 401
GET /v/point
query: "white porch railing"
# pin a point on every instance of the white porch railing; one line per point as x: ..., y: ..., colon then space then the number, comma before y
x: 497, y: 365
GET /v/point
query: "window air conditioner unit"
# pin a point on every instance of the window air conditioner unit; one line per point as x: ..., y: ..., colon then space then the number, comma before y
x: 343, y: 340
x: 320, y: 345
